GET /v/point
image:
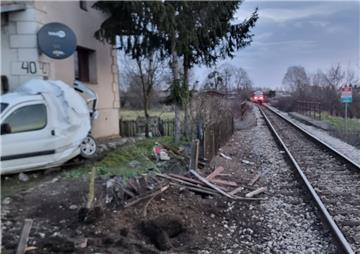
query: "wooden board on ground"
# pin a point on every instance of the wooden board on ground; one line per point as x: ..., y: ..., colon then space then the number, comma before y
x: 216, y: 172
x: 254, y: 179
x: 204, y: 180
x: 188, y: 179
x: 24, y: 236
x: 256, y: 192
x: 224, y: 182
x: 238, y: 189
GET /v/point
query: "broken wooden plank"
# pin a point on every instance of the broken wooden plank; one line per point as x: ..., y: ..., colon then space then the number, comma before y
x: 142, y: 183
x: 129, y: 193
x: 254, y: 179
x: 133, y: 185
x: 172, y: 149
x: 30, y: 248
x: 202, y: 163
x: 181, y: 181
x: 140, y: 198
x: 24, y: 236
x: 188, y: 179
x: 194, y: 158
x: 153, y: 196
x: 204, y: 180
x: 216, y: 172
x: 225, y: 156
x: 256, y: 192
x: 238, y: 189
x: 222, y: 174
x: 248, y: 199
x: 257, y: 177
x: 224, y: 182
x: 201, y: 190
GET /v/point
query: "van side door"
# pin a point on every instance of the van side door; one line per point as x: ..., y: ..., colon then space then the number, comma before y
x: 28, y: 142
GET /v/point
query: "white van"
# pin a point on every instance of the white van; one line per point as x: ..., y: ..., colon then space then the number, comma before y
x: 44, y: 123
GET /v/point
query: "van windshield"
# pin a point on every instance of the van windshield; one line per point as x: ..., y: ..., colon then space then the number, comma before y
x: 3, y: 106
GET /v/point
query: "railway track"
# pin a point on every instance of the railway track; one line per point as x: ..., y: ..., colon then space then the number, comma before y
x: 332, y: 179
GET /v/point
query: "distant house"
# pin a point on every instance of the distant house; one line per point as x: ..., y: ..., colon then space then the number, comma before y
x: 93, y: 63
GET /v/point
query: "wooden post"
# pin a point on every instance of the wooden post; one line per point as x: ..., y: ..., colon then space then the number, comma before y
x: 194, y: 160
x: 213, y: 144
x: 24, y: 236
x: 204, y: 143
x: 91, y: 194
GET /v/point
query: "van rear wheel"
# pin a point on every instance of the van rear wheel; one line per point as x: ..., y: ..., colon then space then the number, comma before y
x: 88, y: 147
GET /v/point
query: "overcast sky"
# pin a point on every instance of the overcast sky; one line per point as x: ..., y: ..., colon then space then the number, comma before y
x: 314, y: 34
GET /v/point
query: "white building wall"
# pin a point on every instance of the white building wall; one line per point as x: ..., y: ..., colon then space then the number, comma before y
x: 19, y: 49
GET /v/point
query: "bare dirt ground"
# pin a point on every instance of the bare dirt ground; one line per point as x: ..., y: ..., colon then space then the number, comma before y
x: 193, y: 223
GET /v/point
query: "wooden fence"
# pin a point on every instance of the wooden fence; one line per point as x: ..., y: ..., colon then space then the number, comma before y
x: 132, y: 128
x: 211, y: 137
x: 215, y: 136
x: 309, y: 108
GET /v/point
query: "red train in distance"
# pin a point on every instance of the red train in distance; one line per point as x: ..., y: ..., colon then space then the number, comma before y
x: 258, y: 97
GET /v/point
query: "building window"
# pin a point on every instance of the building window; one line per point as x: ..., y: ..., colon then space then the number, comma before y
x: 83, y: 5
x: 85, y: 65
x: 4, y: 84
x: 27, y: 118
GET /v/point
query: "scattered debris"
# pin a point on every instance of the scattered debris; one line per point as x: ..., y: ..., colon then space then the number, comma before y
x: 213, y: 186
x: 30, y: 248
x: 142, y: 197
x: 114, y: 189
x: 238, y: 189
x: 225, y: 156
x: 6, y: 201
x: 82, y: 244
x: 73, y: 207
x: 23, y: 177
x: 152, y: 197
x: 247, y: 162
x: 224, y: 182
x: 164, y: 156
x: 256, y: 192
x: 160, y: 153
x: 254, y: 179
x: 216, y: 172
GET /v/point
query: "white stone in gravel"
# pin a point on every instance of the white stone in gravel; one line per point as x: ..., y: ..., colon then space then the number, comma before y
x: 6, y: 201
x: 73, y: 207
x: 23, y: 177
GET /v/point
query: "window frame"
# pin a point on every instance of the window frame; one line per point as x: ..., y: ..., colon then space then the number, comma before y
x: 29, y: 130
x: 85, y: 65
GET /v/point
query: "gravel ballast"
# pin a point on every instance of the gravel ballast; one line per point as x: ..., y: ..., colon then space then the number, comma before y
x: 287, y: 221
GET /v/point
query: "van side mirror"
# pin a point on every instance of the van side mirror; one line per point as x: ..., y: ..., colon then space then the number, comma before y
x: 5, y: 128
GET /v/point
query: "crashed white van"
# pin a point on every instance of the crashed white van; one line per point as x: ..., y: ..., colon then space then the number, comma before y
x: 44, y: 123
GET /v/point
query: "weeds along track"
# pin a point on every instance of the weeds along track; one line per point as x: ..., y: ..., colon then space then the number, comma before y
x: 333, y: 181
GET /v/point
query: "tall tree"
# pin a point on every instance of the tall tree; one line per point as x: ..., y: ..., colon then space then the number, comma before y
x: 195, y: 31
x: 296, y: 78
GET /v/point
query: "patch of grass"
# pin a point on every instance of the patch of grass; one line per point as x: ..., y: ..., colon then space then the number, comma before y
x: 133, y: 114
x: 117, y: 162
x: 339, y: 122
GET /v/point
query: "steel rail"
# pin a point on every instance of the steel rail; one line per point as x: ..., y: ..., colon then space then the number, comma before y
x: 339, y: 154
x: 339, y: 235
